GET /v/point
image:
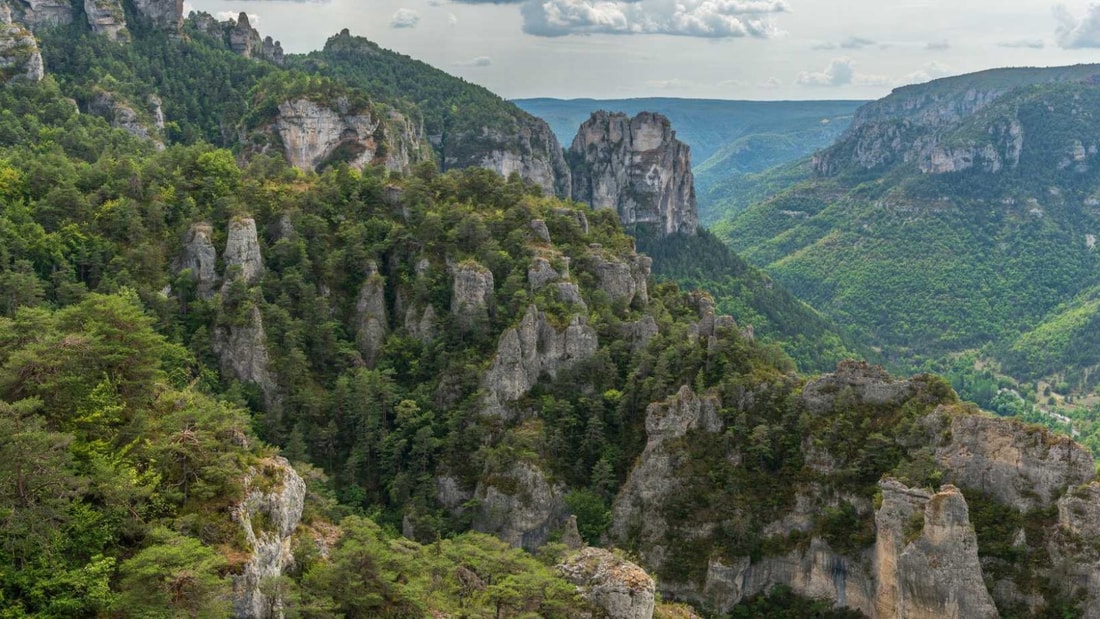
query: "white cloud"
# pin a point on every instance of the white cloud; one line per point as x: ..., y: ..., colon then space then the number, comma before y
x: 771, y: 83
x: 404, y: 18
x: 1023, y: 44
x: 840, y: 72
x: 937, y: 46
x: 480, y: 61
x: 253, y: 19
x: 856, y: 43
x: 927, y: 73
x: 452, y: 19
x: 694, y: 18
x: 1074, y: 32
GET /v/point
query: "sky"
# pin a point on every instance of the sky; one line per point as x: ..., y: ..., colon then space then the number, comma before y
x: 721, y: 49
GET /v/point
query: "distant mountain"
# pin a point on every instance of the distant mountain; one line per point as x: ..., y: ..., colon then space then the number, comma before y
x: 954, y: 215
x: 728, y: 139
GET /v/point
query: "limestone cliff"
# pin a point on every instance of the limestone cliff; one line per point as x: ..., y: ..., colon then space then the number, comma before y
x: 242, y: 251
x: 38, y: 15
x: 370, y: 317
x: 519, y: 505
x: 107, y: 18
x: 530, y: 350
x: 617, y: 586
x: 528, y: 148
x: 637, y: 167
x: 147, y: 123
x: 241, y: 348
x: 200, y: 257
x: 274, y: 495
x: 161, y: 14
x: 245, y: 40
x: 314, y: 133
x: 20, y: 59
x: 471, y: 295
x: 926, y: 556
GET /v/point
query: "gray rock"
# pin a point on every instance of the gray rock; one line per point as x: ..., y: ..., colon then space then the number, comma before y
x: 529, y: 149
x: 865, y: 383
x: 371, y: 324
x: 274, y: 496
x: 40, y: 15
x: 528, y: 351
x: 242, y: 353
x: 568, y: 292
x: 541, y: 232
x: 472, y: 294
x: 519, y: 506
x: 107, y: 18
x: 1023, y: 466
x: 640, y: 331
x: 623, y: 281
x: 313, y: 133
x: 242, y: 251
x: 933, y: 572
x: 637, y: 167
x: 121, y: 115
x: 20, y: 58
x: 450, y: 494
x: 654, y: 479
x: 421, y: 324
x: 621, y: 588
x: 161, y: 14
x: 540, y: 273
x: 200, y: 257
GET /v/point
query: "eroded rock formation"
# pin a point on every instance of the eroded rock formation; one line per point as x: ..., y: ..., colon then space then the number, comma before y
x: 20, y: 59
x: 200, y: 257
x: 107, y: 18
x: 637, y: 167
x: 618, y: 587
x: 519, y: 505
x: 314, y: 134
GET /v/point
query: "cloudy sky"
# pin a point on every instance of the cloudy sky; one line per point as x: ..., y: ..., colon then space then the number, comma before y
x: 729, y: 49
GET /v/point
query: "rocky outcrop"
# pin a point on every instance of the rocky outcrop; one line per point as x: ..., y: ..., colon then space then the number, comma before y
x: 242, y: 352
x: 161, y: 14
x: 370, y: 317
x: 532, y: 151
x: 39, y: 15
x: 618, y: 587
x: 541, y: 273
x: 314, y: 134
x: 637, y: 167
x: 858, y: 382
x: 274, y: 495
x: 200, y: 258
x: 107, y: 18
x: 1019, y: 465
x: 530, y: 350
x: 519, y: 505
x: 926, y: 556
x: 623, y: 280
x: 246, y: 41
x: 653, y: 479
x: 242, y: 252
x: 472, y: 294
x: 20, y: 58
x: 122, y: 115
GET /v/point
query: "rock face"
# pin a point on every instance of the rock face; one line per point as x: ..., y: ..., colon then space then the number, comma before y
x: 926, y: 556
x: 528, y: 351
x: 122, y: 115
x: 20, y: 59
x: 624, y: 280
x: 242, y: 251
x: 40, y: 15
x: 472, y: 294
x: 1012, y: 462
x: 200, y: 257
x: 653, y: 480
x: 868, y: 383
x: 370, y: 317
x: 274, y: 495
x: 314, y: 134
x: 637, y: 167
x: 246, y: 41
x: 161, y: 14
x: 107, y: 18
x: 242, y: 352
x: 519, y: 506
x: 622, y: 589
x: 532, y: 151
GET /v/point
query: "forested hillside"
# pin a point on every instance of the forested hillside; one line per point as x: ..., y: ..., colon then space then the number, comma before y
x: 955, y: 216
x: 248, y: 370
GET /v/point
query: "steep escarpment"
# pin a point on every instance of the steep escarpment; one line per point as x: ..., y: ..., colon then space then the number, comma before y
x: 636, y: 167
x: 20, y: 59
